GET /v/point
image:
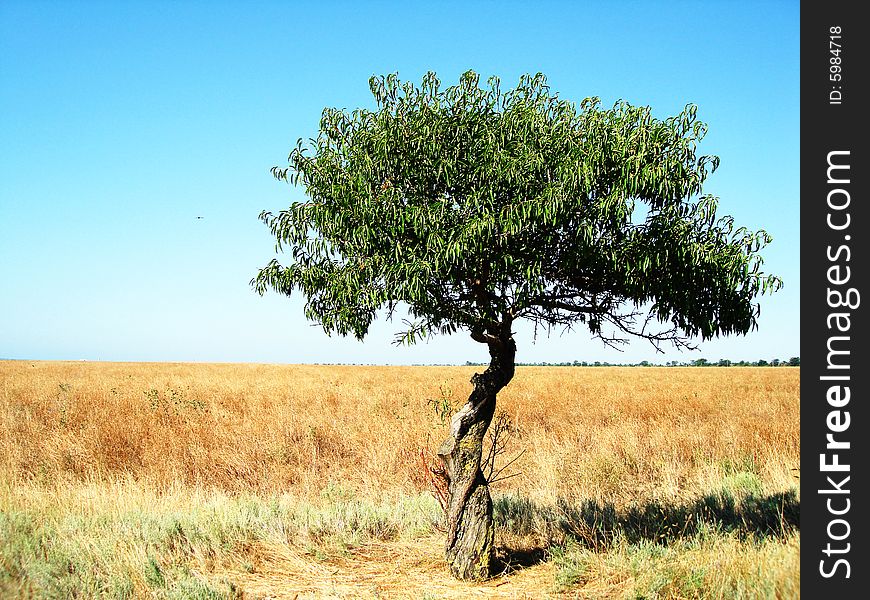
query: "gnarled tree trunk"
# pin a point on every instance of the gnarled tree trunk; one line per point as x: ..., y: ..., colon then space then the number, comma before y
x: 469, y: 545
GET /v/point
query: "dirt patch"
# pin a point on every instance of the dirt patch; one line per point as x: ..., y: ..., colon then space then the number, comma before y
x: 398, y: 569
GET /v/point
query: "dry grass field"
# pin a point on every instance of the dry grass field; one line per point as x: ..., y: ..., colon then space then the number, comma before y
x: 259, y: 481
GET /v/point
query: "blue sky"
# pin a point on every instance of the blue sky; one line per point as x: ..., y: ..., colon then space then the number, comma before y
x: 121, y: 123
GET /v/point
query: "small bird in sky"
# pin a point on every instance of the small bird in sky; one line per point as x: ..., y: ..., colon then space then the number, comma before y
x: 200, y: 217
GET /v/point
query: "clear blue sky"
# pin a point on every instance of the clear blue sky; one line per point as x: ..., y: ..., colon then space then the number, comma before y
x: 121, y: 122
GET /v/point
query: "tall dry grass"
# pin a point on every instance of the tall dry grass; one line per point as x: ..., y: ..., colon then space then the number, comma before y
x: 611, y: 434
x: 209, y: 481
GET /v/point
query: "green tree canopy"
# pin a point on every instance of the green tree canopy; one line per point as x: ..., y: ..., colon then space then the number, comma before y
x: 476, y: 207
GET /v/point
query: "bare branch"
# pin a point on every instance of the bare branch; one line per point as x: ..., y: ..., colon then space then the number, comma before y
x: 495, y: 477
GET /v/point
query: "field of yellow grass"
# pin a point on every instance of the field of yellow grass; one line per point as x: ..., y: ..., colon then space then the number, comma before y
x: 218, y: 480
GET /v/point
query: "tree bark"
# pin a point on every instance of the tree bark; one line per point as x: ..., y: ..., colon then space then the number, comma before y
x: 469, y: 546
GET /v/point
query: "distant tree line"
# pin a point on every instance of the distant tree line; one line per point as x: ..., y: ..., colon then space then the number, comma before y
x: 794, y: 361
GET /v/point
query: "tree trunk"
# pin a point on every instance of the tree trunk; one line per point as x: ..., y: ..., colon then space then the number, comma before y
x: 469, y: 545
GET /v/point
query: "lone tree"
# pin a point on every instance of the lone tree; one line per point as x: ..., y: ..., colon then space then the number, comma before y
x: 474, y: 207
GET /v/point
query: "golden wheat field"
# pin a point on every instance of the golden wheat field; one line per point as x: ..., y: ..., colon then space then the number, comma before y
x: 265, y: 481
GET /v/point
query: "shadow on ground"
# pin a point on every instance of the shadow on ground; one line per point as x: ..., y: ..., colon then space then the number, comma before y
x: 597, y: 526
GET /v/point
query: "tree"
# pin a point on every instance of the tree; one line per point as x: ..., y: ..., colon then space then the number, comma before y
x: 473, y: 208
